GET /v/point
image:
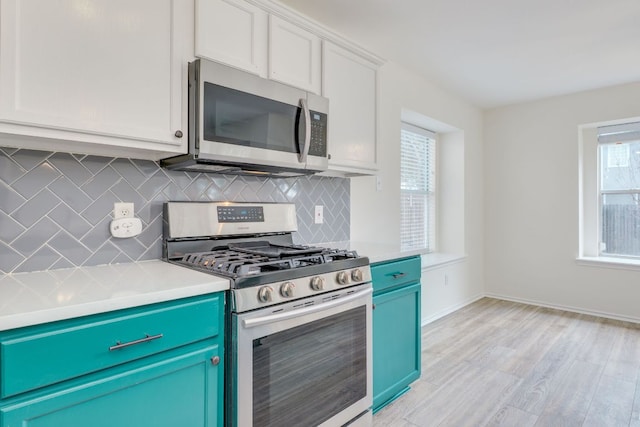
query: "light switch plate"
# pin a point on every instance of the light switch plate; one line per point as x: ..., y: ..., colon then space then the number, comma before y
x: 319, y: 215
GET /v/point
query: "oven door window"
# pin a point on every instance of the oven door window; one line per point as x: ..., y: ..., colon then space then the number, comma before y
x: 305, y: 375
x: 240, y: 118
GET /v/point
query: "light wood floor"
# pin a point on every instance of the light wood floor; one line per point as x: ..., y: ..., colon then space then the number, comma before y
x: 502, y: 363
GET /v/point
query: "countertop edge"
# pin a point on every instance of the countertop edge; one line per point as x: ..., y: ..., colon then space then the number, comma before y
x: 194, y: 284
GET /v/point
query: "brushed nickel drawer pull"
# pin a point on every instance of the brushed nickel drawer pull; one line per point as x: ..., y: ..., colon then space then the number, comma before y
x: 398, y: 275
x: 147, y: 338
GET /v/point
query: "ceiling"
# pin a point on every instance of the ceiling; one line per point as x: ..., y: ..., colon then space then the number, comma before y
x: 496, y: 52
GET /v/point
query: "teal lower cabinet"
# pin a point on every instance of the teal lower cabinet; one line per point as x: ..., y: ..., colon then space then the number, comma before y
x: 179, y: 391
x: 396, y: 328
x: 153, y: 372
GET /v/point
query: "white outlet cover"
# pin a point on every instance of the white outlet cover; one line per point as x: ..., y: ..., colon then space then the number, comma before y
x: 125, y: 227
x: 122, y: 210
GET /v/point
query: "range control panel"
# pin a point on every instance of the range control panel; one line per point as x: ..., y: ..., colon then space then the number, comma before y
x: 240, y: 214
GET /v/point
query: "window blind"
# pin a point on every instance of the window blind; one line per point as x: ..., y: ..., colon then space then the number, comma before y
x: 417, y: 188
x: 619, y: 133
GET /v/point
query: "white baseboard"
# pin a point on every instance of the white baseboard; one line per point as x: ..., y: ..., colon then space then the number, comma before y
x: 449, y: 310
x: 564, y: 308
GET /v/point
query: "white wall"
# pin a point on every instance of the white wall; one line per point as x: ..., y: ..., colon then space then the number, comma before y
x: 376, y: 214
x: 531, y: 204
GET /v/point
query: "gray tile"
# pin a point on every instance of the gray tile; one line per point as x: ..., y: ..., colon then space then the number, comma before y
x: 181, y: 179
x: 95, y: 164
x: 35, y: 236
x: 36, y: 179
x: 70, y: 194
x: 100, y: 209
x: 105, y: 255
x: 9, y: 170
x: 9, y: 259
x: 130, y: 246
x: 101, y: 182
x: 197, y: 188
x: 71, y: 168
x: 42, y: 259
x: 151, y: 232
x: 154, y: 251
x: 35, y: 208
x: 69, y: 220
x: 9, y: 199
x: 70, y: 248
x: 234, y: 189
x: 122, y: 258
x: 125, y: 193
x: 9, y: 229
x: 82, y: 220
x: 153, y: 185
x: 129, y: 172
x: 146, y: 167
x: 97, y: 236
x: 29, y: 159
x: 62, y: 263
x: 8, y: 150
x: 173, y: 192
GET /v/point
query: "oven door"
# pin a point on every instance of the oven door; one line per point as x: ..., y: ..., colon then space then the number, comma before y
x: 304, y: 363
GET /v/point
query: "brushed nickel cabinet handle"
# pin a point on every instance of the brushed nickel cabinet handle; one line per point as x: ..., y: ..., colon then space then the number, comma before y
x: 147, y: 338
x: 215, y: 360
x: 398, y: 275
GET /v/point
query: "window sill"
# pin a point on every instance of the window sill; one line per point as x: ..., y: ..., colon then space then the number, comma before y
x: 609, y: 262
x: 438, y: 259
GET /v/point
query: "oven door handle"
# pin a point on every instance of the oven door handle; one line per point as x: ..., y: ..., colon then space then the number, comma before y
x: 250, y: 323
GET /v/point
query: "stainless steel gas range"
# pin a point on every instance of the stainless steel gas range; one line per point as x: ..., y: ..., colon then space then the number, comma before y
x: 299, y: 317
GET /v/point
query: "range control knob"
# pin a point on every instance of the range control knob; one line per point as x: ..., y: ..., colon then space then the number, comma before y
x: 343, y: 278
x: 356, y: 275
x: 317, y: 283
x: 264, y: 294
x: 286, y: 289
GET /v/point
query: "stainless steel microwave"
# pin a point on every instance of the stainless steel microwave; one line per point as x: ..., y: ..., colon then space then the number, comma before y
x: 241, y: 123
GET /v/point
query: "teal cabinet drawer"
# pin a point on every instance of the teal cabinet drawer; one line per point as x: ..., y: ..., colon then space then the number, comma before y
x: 182, y: 389
x: 37, y: 357
x: 394, y: 273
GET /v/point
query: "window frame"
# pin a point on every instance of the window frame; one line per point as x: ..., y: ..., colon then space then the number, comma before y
x: 430, y: 194
x: 589, y: 200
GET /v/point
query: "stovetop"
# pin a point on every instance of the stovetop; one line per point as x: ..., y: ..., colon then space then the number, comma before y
x: 252, y: 245
x: 258, y: 262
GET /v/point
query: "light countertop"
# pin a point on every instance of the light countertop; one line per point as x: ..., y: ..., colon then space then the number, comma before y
x: 40, y: 297
x: 381, y: 252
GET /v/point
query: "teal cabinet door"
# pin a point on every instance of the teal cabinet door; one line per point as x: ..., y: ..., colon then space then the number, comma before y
x: 396, y: 343
x: 180, y: 390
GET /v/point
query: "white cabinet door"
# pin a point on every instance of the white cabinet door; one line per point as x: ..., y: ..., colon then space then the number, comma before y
x: 294, y: 55
x: 349, y: 81
x: 98, y: 68
x: 233, y: 32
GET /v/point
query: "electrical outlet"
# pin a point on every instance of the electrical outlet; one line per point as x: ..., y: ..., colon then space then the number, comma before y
x: 319, y: 216
x: 122, y: 210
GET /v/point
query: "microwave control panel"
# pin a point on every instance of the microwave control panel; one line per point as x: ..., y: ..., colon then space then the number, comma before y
x: 318, y: 144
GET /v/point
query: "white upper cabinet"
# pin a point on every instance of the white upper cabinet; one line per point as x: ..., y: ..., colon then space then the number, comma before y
x: 232, y: 32
x: 294, y: 55
x: 350, y: 83
x: 108, y: 72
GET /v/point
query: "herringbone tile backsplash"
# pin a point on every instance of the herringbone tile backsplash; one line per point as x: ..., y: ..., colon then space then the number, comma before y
x: 55, y: 208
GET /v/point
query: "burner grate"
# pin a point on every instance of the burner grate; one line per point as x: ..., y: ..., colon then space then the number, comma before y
x: 231, y: 262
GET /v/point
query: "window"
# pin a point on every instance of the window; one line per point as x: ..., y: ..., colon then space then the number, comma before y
x: 619, y: 189
x: 417, y: 188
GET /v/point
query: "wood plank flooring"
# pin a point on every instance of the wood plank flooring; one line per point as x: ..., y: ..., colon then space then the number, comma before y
x: 499, y: 363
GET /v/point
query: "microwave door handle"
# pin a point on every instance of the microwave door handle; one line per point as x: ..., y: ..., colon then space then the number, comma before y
x: 304, y: 150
